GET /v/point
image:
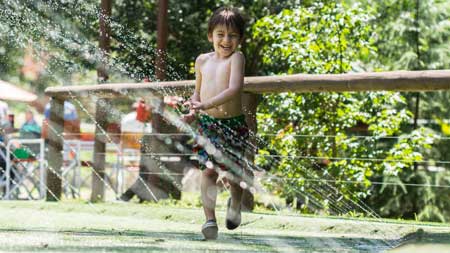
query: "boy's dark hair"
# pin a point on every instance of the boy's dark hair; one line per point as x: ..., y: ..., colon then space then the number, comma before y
x: 230, y: 17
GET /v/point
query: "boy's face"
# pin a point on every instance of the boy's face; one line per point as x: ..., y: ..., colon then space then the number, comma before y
x: 225, y: 40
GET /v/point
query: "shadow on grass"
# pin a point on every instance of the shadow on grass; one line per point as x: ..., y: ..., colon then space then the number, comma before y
x: 439, y: 238
x: 145, y: 241
x: 428, y: 240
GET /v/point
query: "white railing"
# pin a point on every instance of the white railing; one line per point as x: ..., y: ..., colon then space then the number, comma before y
x: 40, y: 159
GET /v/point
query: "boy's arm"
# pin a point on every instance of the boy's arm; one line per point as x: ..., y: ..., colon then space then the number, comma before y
x: 234, y: 88
x: 198, y: 79
x: 196, y: 95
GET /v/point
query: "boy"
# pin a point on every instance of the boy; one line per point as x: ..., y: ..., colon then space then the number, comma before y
x: 217, y: 96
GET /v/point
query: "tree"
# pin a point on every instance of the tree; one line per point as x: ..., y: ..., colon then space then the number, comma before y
x: 325, y: 38
x: 414, y: 35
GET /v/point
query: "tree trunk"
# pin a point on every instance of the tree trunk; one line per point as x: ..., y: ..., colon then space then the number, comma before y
x: 154, y: 144
x: 98, y: 187
x: 160, y: 68
x: 104, y: 39
x: 161, y: 40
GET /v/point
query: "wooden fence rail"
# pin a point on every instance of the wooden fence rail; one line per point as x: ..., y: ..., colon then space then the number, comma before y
x: 430, y: 80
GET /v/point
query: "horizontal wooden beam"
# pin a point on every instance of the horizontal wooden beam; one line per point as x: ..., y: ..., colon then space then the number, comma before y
x: 429, y: 80
x: 119, y: 89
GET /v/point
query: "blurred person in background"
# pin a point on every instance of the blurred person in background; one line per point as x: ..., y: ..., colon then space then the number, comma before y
x: 30, y: 128
x: 5, y: 124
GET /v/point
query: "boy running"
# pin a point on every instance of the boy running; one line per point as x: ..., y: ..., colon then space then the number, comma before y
x: 218, y: 88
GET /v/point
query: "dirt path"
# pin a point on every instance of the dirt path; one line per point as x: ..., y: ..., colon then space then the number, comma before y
x: 78, y: 227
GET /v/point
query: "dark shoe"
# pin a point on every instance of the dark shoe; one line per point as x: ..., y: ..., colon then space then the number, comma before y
x: 210, y: 230
x: 233, y: 217
x: 126, y: 196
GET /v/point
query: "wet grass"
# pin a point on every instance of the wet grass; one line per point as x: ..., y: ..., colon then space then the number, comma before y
x: 27, y: 226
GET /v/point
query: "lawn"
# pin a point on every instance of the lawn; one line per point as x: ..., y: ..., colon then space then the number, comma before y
x: 35, y: 226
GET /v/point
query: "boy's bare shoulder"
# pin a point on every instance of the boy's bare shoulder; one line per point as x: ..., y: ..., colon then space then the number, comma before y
x: 238, y: 56
x: 203, y: 57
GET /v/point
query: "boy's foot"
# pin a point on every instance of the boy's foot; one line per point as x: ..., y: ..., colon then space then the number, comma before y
x: 233, y: 216
x: 210, y: 230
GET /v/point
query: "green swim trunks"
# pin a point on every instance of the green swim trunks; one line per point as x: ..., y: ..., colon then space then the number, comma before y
x: 228, y: 139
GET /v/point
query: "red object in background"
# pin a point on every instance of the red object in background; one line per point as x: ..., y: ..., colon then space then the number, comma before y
x: 113, y: 130
x: 142, y: 112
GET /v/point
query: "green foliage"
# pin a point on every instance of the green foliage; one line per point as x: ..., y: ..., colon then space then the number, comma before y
x: 300, y: 40
x: 331, y: 38
x: 9, y: 56
x: 414, y: 35
x: 64, y: 35
x: 328, y: 162
x: 323, y: 38
x: 414, y: 194
x: 188, y: 23
x: 56, y: 36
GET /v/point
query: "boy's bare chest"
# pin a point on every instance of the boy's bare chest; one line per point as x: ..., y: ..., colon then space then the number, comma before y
x: 217, y: 73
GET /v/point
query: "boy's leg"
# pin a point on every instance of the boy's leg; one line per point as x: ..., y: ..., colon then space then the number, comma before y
x: 247, y: 196
x: 209, y: 196
x: 233, y: 219
x: 236, y: 192
x: 209, y: 193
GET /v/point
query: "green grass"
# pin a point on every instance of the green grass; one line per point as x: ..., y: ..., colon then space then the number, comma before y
x: 68, y: 226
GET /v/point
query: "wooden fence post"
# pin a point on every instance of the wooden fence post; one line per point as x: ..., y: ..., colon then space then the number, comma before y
x: 98, y: 173
x: 249, y: 106
x: 55, y: 149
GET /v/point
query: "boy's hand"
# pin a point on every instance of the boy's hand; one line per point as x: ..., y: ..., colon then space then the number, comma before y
x: 188, y: 118
x: 172, y: 101
x: 188, y: 103
x: 196, y: 105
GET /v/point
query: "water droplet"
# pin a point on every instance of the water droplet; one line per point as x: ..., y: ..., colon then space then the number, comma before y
x: 201, y: 140
x: 209, y: 165
x: 179, y: 146
x: 210, y: 149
